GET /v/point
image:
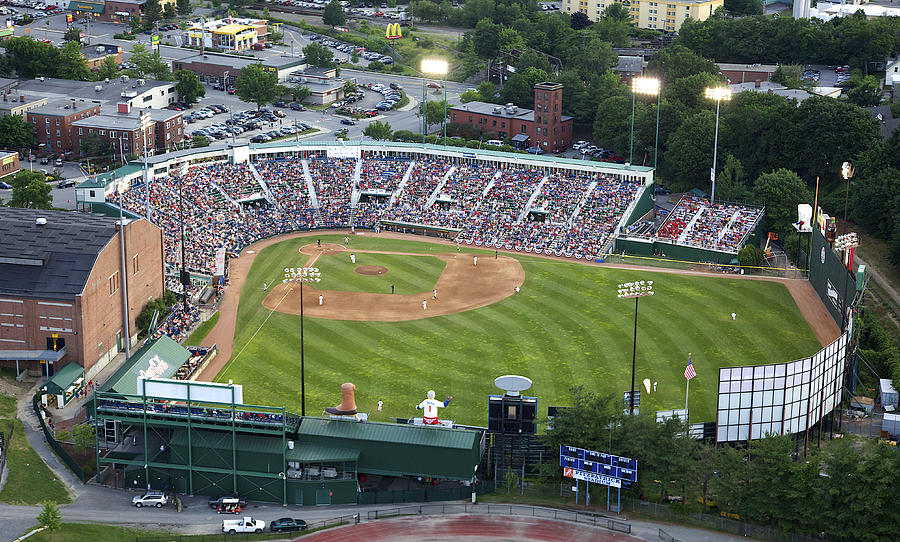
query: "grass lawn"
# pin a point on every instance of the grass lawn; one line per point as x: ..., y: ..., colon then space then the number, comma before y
x: 29, y: 481
x: 78, y: 532
x: 566, y: 327
x: 203, y: 330
x: 408, y: 274
x: 7, y: 407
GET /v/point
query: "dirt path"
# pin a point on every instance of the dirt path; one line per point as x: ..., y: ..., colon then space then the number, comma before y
x: 825, y: 329
x: 463, y: 285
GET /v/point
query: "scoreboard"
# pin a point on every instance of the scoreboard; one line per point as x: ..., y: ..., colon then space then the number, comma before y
x: 599, y: 463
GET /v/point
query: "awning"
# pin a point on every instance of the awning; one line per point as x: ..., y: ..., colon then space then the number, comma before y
x: 123, y: 14
x: 520, y: 137
x: 33, y: 355
x: 158, y: 359
x: 65, y: 379
x: 87, y: 7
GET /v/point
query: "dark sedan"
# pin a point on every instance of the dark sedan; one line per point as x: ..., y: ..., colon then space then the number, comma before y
x: 287, y: 524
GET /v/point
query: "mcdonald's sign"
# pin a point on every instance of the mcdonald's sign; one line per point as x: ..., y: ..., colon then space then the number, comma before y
x: 393, y: 31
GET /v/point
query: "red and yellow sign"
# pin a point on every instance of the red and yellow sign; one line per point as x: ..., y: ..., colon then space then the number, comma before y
x: 393, y: 31
x: 69, y: 18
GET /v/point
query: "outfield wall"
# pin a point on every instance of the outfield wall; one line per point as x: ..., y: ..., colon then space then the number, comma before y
x: 830, y: 278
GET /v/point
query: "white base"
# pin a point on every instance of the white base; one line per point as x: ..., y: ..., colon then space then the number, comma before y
x: 358, y: 417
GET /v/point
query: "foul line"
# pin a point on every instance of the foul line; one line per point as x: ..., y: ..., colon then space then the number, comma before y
x: 255, y: 333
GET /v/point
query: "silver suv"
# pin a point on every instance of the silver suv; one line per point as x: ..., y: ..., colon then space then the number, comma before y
x: 151, y: 498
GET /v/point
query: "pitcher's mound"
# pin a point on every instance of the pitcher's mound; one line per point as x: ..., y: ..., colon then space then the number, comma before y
x: 370, y: 270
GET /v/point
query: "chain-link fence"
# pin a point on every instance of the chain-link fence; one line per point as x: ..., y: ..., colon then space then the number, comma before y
x: 237, y: 537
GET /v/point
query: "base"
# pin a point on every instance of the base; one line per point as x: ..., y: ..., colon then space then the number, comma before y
x: 441, y: 423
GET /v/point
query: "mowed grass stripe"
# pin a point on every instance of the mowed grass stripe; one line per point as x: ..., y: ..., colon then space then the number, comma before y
x: 565, y: 327
x: 408, y: 274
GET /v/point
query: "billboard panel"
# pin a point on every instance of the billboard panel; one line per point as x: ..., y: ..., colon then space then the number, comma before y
x: 206, y: 392
x: 780, y: 398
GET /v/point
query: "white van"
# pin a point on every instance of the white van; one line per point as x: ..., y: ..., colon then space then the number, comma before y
x: 495, y: 142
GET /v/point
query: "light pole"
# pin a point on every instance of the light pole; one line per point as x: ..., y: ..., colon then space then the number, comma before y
x: 299, y: 275
x: 636, y: 290
x: 650, y: 87
x: 432, y: 66
x: 718, y: 94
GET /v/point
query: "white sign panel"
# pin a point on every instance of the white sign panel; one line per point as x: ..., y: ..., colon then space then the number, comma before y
x: 592, y: 477
x: 207, y: 392
x: 219, y: 270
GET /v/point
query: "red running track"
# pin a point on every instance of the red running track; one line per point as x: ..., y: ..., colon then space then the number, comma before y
x: 467, y: 528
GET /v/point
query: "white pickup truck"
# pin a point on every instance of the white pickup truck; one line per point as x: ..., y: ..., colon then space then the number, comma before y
x: 246, y: 525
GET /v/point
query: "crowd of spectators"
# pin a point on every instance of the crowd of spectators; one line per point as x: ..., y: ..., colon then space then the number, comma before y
x: 716, y: 226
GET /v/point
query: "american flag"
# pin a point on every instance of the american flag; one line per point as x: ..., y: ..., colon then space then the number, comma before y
x: 689, y: 372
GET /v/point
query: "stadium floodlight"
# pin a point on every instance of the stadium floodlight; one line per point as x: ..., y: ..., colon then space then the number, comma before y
x: 435, y: 66
x: 846, y: 241
x: 301, y: 275
x: 636, y: 289
x: 718, y: 94
x: 647, y: 86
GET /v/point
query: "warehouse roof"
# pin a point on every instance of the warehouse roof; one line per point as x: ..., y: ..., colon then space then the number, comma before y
x: 389, y: 432
x: 52, y: 260
x: 156, y: 359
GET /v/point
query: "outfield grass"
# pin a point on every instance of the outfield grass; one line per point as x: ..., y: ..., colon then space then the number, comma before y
x: 408, y: 274
x: 29, y: 480
x: 566, y: 327
x: 202, y: 330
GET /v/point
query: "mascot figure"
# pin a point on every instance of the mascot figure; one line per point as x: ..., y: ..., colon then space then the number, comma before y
x: 430, y: 407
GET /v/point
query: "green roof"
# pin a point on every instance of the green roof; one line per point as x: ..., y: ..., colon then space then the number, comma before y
x: 63, y: 378
x: 165, y: 355
x: 389, y: 432
x: 320, y: 453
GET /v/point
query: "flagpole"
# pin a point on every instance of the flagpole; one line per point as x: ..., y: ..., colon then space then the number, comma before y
x: 687, y: 392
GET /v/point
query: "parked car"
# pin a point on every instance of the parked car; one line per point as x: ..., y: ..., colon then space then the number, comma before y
x: 297, y: 106
x: 45, y: 161
x: 348, y: 122
x: 580, y: 144
x: 58, y: 163
x: 151, y: 498
x: 279, y: 113
x: 5, y: 186
x: 283, y: 525
x: 371, y: 112
x: 396, y: 86
x: 534, y: 150
x: 280, y: 104
x: 65, y: 183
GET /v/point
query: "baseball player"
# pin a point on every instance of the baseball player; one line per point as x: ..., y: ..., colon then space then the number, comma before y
x: 424, y: 304
x: 434, y: 294
x: 430, y: 407
x: 475, y: 260
x: 321, y: 299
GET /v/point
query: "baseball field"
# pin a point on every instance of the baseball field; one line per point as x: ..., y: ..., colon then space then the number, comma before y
x: 565, y: 326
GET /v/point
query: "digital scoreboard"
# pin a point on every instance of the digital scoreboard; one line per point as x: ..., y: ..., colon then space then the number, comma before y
x: 603, y: 466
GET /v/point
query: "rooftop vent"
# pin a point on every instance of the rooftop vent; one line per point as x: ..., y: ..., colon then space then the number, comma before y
x: 40, y: 221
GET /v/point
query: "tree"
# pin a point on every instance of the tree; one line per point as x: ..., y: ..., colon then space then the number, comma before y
x: 300, y: 92
x: 72, y: 65
x: 434, y: 112
x: 676, y: 61
x: 580, y: 21
x: 199, y: 141
x: 348, y: 88
x: 617, y: 12
x: 184, y: 7
x: 379, y: 131
x: 487, y: 91
x: 731, y: 181
x: 170, y: 12
x: 509, y: 40
x: 790, y: 75
x: 750, y: 255
x: 30, y: 191
x: 149, y: 63
x: 744, y: 7
x: 354, y: 56
x: 258, y: 85
x: 276, y: 37
x: 780, y: 191
x: 864, y: 91
x: 93, y: 146
x: 470, y: 96
x: 485, y: 40
x: 334, y: 14
x: 152, y: 12
x: 72, y: 34
x: 108, y: 69
x: 519, y: 89
x: 30, y: 58
x: 188, y: 86
x: 597, y: 57
x: 689, y: 151
x: 15, y: 132
x: 50, y: 516
x: 318, y: 55
x: 84, y: 437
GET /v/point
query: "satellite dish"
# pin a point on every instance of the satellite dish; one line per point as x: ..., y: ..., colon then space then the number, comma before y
x: 512, y: 384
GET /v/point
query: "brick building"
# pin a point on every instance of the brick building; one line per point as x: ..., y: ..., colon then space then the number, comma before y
x: 19, y: 104
x: 544, y: 126
x: 126, y: 133
x: 61, y: 299
x: 52, y: 123
x: 168, y: 128
x: 9, y: 163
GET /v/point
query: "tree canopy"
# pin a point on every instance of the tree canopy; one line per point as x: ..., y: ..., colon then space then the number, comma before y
x: 188, y: 86
x: 318, y: 55
x: 30, y: 191
x: 259, y: 86
x: 333, y: 14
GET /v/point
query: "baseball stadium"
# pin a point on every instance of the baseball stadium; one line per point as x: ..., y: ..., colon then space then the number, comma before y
x: 407, y: 268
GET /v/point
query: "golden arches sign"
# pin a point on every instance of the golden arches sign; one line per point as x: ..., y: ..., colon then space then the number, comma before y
x: 393, y: 31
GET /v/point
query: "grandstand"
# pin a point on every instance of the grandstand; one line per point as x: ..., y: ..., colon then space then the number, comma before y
x: 533, y: 204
